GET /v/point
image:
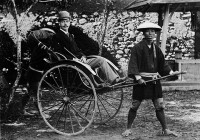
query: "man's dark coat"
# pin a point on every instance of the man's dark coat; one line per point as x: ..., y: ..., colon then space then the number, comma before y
x: 143, y: 59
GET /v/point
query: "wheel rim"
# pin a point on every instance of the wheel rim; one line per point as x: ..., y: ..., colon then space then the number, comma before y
x: 65, y: 103
x: 108, y: 105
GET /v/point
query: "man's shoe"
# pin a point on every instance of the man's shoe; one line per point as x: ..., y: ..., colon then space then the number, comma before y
x: 25, y: 113
x: 119, y: 80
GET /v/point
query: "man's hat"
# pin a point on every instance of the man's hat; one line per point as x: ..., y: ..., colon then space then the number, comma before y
x: 148, y: 25
x: 63, y: 15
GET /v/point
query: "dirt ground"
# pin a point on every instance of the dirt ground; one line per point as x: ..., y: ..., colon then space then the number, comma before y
x: 182, y: 115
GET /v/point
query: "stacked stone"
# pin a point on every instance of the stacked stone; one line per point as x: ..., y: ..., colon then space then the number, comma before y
x: 180, y: 38
x: 121, y: 34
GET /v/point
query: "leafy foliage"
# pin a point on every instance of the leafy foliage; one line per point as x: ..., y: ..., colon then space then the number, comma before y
x: 25, y: 26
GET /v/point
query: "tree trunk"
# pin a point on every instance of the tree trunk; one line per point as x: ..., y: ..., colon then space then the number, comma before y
x: 104, y: 27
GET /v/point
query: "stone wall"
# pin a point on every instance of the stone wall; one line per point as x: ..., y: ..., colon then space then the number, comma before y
x: 121, y: 33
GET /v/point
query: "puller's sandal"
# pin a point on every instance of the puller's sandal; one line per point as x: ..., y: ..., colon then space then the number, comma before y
x: 127, y: 133
x: 168, y: 132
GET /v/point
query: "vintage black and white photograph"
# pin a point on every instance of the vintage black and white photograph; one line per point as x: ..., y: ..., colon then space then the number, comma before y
x: 100, y: 70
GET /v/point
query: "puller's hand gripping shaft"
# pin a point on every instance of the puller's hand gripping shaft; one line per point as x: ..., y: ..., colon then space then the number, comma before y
x: 164, y: 77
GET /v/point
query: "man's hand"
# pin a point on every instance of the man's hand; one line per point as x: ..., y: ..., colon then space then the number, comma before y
x: 141, y: 81
x: 42, y: 46
x: 76, y: 59
x: 173, y: 72
x: 83, y: 59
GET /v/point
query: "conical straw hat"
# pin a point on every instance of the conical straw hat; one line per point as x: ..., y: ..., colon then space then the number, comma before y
x: 148, y: 25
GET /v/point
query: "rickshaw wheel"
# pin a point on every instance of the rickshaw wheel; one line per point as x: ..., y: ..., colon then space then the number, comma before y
x: 65, y: 103
x: 108, y: 105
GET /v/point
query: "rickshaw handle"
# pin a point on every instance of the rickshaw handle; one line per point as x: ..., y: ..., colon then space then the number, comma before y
x: 133, y: 84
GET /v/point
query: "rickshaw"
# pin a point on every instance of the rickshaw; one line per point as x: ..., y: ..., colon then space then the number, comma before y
x: 69, y: 100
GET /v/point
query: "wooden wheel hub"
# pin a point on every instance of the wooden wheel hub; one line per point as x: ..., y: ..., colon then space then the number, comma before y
x: 66, y: 99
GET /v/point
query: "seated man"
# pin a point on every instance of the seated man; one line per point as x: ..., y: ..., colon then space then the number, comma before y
x: 63, y: 42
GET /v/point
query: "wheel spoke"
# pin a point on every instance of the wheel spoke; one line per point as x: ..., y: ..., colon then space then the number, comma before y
x: 77, y: 119
x: 108, y: 105
x: 83, y: 90
x: 80, y: 93
x: 52, y: 115
x: 78, y: 96
x: 88, y: 105
x: 68, y: 108
x: 61, y: 77
x: 107, y: 102
x: 99, y: 110
x: 60, y: 113
x: 65, y: 122
x: 52, y: 86
x: 52, y: 76
x: 43, y: 100
x: 79, y: 113
x: 84, y: 102
x: 103, y: 106
x: 51, y: 106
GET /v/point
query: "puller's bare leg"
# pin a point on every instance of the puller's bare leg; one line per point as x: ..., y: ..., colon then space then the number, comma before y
x: 131, y: 117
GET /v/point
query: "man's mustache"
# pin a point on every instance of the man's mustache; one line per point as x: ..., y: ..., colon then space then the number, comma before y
x: 65, y: 26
